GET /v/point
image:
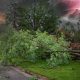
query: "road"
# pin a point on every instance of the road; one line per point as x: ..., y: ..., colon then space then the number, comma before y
x: 8, y: 73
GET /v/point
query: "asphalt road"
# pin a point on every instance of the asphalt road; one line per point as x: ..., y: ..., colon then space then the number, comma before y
x: 8, y: 73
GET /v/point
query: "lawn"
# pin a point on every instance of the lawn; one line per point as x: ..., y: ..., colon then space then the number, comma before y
x: 65, y: 72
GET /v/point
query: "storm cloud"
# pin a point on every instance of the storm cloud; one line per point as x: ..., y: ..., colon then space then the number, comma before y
x: 62, y: 6
x: 5, y: 4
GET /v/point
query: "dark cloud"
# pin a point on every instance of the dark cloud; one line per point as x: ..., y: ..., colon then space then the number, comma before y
x: 60, y: 6
x: 4, y: 4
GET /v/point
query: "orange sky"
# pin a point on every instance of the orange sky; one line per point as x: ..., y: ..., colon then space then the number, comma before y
x: 2, y: 18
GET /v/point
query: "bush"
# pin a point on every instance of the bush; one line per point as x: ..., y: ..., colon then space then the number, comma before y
x: 18, y: 45
x: 48, y: 48
x: 4, y: 37
x: 60, y: 53
x: 40, y: 46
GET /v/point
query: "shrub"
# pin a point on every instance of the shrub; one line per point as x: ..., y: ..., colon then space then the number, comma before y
x: 60, y: 53
x: 48, y: 48
x: 18, y: 45
x: 5, y: 36
x: 40, y: 46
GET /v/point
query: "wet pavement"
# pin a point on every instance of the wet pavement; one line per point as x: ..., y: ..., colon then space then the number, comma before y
x: 8, y: 73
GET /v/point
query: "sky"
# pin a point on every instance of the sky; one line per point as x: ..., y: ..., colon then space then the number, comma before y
x: 73, y: 14
x: 63, y: 6
x: 66, y: 6
x: 72, y: 4
x: 4, y: 6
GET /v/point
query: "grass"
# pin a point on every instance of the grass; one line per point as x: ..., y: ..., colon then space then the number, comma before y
x: 65, y: 72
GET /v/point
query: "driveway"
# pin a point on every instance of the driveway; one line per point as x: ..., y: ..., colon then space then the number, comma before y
x: 8, y: 73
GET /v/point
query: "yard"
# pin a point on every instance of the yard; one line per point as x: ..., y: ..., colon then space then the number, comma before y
x: 64, y: 72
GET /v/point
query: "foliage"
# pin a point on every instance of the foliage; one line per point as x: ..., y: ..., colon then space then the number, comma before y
x: 76, y: 37
x: 40, y: 46
x: 36, y: 17
x: 32, y: 78
x: 70, y: 30
x: 9, y: 32
x: 60, y: 53
x: 17, y: 46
